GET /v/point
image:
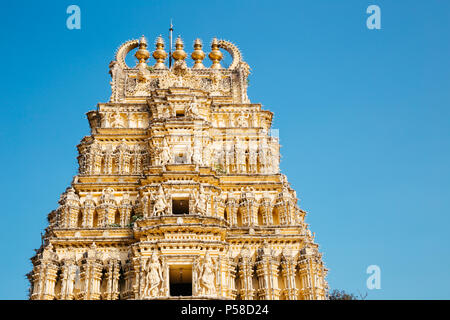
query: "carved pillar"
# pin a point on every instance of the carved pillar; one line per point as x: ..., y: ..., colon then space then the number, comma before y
x: 88, y: 167
x: 219, y: 275
x: 91, y: 274
x: 125, y: 210
x: 165, y: 273
x: 245, y: 266
x: 44, y: 275
x: 311, y: 274
x: 68, y: 271
x: 139, y: 279
x: 229, y: 159
x: 267, y: 272
x: 136, y: 159
x: 126, y: 162
x: 117, y: 162
x: 112, y: 280
x: 290, y: 291
x: 129, y: 276
x: 108, y: 158
x: 82, y: 162
x: 97, y: 156
x: 248, y: 209
x: 145, y: 161
x: 232, y: 208
x: 266, y: 210
x: 231, y: 267
x: 195, y: 285
x: 88, y: 212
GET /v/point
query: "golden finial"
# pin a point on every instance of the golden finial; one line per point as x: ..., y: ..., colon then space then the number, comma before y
x: 215, y: 55
x: 198, y: 55
x: 179, y: 53
x: 142, y: 54
x: 159, y: 54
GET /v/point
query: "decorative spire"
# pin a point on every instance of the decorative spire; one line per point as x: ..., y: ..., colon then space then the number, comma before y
x: 215, y: 55
x: 198, y: 55
x: 142, y: 54
x: 179, y: 53
x: 159, y: 54
x: 170, y: 38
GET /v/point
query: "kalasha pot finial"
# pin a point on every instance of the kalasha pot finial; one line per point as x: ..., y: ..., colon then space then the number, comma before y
x: 215, y: 55
x: 179, y: 53
x: 159, y: 54
x: 142, y: 54
x: 198, y: 55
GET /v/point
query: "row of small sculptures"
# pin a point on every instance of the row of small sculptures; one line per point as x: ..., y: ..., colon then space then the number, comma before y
x: 118, y: 119
x: 232, y: 157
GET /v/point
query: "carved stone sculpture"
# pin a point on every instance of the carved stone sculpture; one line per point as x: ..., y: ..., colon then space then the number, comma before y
x: 200, y: 201
x: 153, y: 277
x: 160, y: 206
x: 116, y: 121
x: 206, y: 275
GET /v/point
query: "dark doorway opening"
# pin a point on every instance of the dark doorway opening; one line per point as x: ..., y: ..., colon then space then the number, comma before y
x: 181, y: 289
x: 180, y: 206
x: 180, y: 280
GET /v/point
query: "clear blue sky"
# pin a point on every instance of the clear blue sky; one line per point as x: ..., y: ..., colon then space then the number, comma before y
x: 364, y: 120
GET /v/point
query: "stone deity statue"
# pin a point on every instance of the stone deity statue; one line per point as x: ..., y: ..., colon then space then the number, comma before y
x: 201, y: 202
x: 192, y: 108
x: 206, y: 275
x: 165, y: 156
x: 241, y: 120
x: 153, y: 277
x: 160, y: 206
x: 116, y: 121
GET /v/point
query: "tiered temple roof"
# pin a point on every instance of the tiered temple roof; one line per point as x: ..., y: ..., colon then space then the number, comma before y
x: 179, y: 192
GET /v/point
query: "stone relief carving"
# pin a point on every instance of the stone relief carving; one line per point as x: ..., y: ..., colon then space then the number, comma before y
x: 206, y: 274
x: 200, y: 201
x: 68, y: 272
x: 166, y: 154
x: 153, y: 277
x: 116, y: 120
x: 242, y: 120
x: 160, y: 203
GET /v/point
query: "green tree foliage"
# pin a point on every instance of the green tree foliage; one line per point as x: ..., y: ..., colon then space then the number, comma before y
x: 342, y: 295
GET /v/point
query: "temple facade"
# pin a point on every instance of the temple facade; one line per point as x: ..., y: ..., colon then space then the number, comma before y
x: 179, y: 194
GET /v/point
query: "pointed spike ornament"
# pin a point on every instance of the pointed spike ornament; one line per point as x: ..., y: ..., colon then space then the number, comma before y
x: 159, y: 54
x: 179, y: 53
x: 142, y: 54
x: 215, y: 55
x: 198, y: 55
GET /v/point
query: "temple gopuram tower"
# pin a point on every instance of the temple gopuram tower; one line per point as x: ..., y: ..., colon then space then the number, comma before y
x: 179, y: 194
